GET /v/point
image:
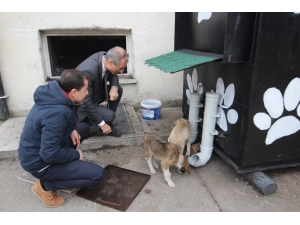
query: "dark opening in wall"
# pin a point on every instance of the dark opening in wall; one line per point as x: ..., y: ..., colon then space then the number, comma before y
x: 67, y: 52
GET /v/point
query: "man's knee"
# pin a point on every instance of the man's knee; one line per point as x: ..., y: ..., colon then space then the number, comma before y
x: 111, y: 117
x: 99, y: 175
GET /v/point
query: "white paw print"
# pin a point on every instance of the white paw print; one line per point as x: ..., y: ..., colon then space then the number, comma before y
x: 203, y: 16
x: 192, y: 85
x: 275, y: 103
x: 226, y: 97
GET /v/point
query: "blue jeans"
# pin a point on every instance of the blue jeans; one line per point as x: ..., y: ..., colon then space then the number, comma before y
x: 74, y: 174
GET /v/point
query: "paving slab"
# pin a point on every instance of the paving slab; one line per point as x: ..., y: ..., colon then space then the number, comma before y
x: 214, y: 187
x: 10, y: 131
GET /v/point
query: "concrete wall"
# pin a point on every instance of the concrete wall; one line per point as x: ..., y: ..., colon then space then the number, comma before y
x: 21, y: 63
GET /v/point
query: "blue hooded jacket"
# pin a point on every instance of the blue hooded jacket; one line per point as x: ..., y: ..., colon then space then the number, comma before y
x: 45, y: 139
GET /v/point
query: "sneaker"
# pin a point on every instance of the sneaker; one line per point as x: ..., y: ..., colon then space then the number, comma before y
x: 48, y: 198
x: 115, y: 133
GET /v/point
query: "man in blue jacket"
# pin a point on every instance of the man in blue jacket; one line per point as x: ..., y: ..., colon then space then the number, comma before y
x: 49, y: 143
x: 103, y: 67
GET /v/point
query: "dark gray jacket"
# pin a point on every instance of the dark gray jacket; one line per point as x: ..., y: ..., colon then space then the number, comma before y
x: 97, y: 87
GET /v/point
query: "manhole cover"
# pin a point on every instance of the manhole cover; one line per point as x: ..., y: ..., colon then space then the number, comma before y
x: 118, y: 190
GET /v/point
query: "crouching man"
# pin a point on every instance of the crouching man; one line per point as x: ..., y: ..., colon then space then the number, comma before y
x: 49, y: 143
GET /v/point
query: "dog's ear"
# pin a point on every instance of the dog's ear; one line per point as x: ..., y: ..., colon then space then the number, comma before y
x: 174, y: 124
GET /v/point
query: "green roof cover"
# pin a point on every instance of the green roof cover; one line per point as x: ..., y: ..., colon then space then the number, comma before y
x: 179, y: 60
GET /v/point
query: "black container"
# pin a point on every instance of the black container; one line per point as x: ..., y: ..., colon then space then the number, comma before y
x: 261, y: 53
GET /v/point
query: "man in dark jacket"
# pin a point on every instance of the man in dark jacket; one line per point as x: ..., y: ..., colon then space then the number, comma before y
x: 51, y: 136
x: 103, y: 67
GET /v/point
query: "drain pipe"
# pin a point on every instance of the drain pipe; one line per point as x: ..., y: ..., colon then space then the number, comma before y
x: 4, y: 112
x: 194, y: 115
x: 208, y: 132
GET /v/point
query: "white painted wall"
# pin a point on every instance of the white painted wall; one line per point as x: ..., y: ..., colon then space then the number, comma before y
x: 21, y: 63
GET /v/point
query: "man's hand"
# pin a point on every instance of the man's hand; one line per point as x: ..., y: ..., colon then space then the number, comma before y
x: 106, y: 129
x: 80, y: 154
x: 113, y: 94
x: 75, y: 137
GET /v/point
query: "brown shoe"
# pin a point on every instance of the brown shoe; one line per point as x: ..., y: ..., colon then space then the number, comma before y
x: 48, y: 198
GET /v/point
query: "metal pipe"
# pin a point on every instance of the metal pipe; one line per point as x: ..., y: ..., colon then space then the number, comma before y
x: 4, y: 112
x: 208, y: 132
x: 194, y: 115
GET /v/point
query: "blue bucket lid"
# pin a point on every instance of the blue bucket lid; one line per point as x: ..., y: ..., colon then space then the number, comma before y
x: 151, y: 103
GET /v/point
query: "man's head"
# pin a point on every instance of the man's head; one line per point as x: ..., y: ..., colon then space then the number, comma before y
x: 74, y: 83
x: 116, y: 60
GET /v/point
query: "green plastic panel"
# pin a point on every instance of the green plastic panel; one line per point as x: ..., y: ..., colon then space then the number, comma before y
x: 179, y: 60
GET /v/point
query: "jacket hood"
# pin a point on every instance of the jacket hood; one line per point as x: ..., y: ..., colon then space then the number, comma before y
x: 51, y: 94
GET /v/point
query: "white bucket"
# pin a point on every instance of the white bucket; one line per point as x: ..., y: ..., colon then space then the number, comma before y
x: 151, y: 109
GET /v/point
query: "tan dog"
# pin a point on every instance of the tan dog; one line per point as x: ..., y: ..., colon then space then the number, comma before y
x: 180, y: 135
x: 167, y: 153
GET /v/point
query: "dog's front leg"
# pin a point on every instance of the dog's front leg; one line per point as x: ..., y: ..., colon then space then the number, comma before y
x: 188, y: 146
x: 167, y: 174
x: 179, y: 163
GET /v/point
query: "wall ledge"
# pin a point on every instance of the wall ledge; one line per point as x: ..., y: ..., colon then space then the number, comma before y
x: 126, y: 79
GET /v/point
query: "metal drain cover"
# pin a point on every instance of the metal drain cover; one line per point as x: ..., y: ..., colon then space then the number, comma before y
x: 118, y: 190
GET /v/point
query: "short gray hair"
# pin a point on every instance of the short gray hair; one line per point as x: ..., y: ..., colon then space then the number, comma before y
x: 116, y: 54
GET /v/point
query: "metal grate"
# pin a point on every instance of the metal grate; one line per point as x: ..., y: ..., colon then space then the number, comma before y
x: 121, y: 123
x: 118, y: 190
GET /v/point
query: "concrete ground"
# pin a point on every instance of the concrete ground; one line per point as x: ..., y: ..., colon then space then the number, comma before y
x: 214, y: 187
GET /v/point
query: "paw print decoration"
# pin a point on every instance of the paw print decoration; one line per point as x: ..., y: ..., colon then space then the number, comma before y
x: 275, y: 104
x: 193, y: 85
x: 225, y: 101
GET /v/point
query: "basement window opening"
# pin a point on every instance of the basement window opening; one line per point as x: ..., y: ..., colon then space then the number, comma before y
x: 68, y: 51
